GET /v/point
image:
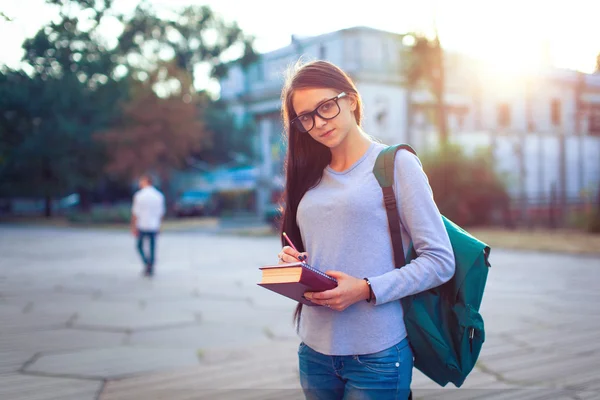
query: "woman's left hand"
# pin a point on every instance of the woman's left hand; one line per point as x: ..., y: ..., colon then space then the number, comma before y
x: 349, y: 290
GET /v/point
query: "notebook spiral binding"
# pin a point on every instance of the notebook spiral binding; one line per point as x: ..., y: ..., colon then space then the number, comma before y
x: 319, y: 272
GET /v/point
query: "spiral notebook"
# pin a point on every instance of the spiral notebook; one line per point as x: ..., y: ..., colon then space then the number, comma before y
x: 293, y: 279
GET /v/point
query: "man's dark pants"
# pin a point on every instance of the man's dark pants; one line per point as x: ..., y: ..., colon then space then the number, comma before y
x: 148, y: 259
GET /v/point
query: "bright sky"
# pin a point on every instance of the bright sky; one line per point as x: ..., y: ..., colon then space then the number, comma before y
x: 514, y: 34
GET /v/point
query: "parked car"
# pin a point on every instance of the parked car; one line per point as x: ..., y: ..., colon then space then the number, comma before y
x: 195, y: 203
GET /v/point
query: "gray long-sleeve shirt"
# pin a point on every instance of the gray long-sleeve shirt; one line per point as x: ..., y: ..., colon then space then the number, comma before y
x: 344, y: 227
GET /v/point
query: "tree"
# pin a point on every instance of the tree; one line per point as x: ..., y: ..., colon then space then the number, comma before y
x: 597, y: 70
x: 15, y: 120
x: 425, y: 64
x: 192, y: 37
x: 154, y: 134
x: 75, y: 85
x: 227, y: 139
x: 76, y: 95
x: 466, y: 188
x: 45, y: 135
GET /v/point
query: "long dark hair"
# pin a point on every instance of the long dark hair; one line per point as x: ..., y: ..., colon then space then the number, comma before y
x: 306, y: 158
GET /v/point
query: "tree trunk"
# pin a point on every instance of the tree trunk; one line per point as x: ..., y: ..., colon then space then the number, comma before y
x: 47, y: 206
x: 562, y: 178
x: 439, y: 89
x: 598, y: 208
x: 165, y: 183
x: 85, y: 202
x: 409, y: 114
x: 47, y: 177
x: 594, y: 226
x: 442, y: 121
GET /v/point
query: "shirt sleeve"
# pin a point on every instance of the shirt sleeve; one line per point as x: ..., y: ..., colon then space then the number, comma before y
x: 420, y: 217
x: 162, y: 205
x: 135, y: 206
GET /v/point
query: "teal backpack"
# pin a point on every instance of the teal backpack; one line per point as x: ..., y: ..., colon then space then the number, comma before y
x: 444, y: 327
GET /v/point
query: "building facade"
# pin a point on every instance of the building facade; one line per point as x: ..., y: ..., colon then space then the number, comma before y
x: 543, y: 126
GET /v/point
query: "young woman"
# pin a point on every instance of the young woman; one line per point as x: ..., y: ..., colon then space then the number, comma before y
x: 355, y: 344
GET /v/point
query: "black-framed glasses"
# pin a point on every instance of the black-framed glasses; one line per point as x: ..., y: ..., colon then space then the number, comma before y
x: 328, y: 109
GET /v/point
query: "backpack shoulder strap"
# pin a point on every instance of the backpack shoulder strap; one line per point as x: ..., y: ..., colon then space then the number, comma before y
x: 384, y: 173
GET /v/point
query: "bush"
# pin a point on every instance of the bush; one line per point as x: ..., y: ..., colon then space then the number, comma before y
x: 466, y: 188
x: 594, y: 224
x: 102, y: 215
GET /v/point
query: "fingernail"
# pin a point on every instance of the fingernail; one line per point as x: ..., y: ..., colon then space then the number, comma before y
x: 301, y: 257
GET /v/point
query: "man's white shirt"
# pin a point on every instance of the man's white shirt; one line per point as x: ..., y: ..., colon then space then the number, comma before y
x: 148, y: 208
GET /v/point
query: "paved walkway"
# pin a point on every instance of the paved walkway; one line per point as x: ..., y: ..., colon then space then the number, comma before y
x: 79, y: 322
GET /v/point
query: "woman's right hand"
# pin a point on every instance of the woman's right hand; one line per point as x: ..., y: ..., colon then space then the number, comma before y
x: 289, y: 255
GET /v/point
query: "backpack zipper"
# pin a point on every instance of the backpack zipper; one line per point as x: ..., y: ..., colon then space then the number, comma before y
x: 471, y: 335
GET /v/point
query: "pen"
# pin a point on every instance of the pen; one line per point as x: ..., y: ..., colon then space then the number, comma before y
x: 300, y: 257
x: 289, y: 241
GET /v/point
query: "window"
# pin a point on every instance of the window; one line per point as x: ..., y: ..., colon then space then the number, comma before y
x: 322, y: 52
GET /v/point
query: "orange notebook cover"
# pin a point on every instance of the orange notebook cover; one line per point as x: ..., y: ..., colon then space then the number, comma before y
x: 293, y: 279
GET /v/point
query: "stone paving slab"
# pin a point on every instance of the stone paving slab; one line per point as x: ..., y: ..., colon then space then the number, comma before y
x: 199, y: 337
x: 266, y: 299
x: 549, y: 370
x: 502, y: 348
x: 221, y: 375
x: 112, y: 362
x: 504, y: 323
x: 563, y: 341
x: 130, y: 317
x: 45, y: 301
x: 145, y: 335
x: 586, y: 381
x: 588, y: 395
x: 243, y: 313
x: 45, y: 388
x: 15, y: 320
x: 13, y: 360
x: 499, y: 392
x: 59, y: 339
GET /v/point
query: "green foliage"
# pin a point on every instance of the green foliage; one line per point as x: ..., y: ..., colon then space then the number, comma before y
x: 594, y: 225
x: 194, y: 35
x: 154, y: 135
x: 425, y: 65
x: 45, y: 131
x: 49, y: 113
x: 466, y: 188
x: 228, y: 138
x: 423, y: 62
x: 588, y: 220
x: 102, y: 215
x: 75, y: 85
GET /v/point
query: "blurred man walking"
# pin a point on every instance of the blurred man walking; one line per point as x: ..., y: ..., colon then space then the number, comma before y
x: 146, y: 216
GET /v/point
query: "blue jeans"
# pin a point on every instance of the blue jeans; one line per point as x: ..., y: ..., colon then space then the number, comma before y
x: 383, y: 375
x: 148, y: 259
